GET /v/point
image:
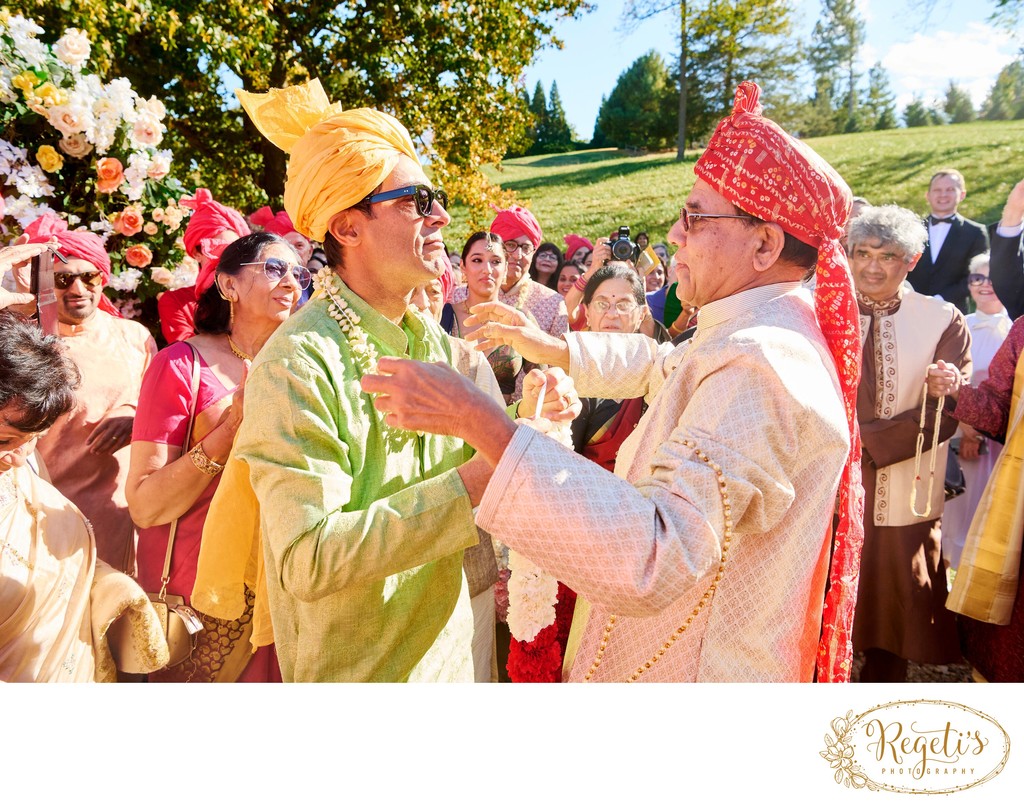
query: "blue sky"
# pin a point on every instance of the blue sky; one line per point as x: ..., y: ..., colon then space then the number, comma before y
x: 955, y: 42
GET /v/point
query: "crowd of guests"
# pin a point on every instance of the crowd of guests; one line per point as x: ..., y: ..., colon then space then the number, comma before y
x: 113, y: 454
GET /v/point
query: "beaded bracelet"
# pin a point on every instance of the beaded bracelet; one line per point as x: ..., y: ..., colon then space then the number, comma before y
x: 203, y: 462
x: 580, y: 286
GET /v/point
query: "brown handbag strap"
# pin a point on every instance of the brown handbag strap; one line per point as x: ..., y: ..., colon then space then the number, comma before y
x: 166, y: 577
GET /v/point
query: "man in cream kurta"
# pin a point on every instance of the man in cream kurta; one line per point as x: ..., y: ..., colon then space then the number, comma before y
x: 706, y: 558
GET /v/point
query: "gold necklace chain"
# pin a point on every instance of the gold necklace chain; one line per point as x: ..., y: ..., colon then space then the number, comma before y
x: 723, y: 491
x: 918, y: 451
x: 237, y: 351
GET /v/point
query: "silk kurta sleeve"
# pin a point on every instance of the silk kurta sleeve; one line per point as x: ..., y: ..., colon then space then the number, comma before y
x: 324, y: 530
x: 987, y: 407
x: 636, y: 549
x: 889, y: 441
x: 617, y: 366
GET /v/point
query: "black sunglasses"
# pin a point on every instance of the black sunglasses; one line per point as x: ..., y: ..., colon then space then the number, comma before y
x: 423, y: 195
x: 276, y: 268
x: 63, y: 280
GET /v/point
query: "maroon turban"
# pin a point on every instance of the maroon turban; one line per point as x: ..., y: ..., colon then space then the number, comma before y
x: 515, y: 222
x: 763, y: 171
x: 279, y: 223
x: 574, y: 243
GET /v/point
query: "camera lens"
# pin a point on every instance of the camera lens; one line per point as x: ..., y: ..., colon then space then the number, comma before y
x: 622, y: 249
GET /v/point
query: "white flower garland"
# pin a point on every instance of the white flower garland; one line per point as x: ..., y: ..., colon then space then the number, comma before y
x: 532, y: 593
x: 327, y: 287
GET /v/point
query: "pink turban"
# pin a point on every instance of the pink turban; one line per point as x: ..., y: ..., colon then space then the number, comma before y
x: 515, y: 222
x: 208, y: 219
x: 754, y: 164
x: 279, y: 223
x: 81, y: 244
x: 574, y: 243
x: 447, y: 278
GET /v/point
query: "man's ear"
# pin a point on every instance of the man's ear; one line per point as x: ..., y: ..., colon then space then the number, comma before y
x: 345, y: 228
x: 913, y: 262
x: 771, y: 240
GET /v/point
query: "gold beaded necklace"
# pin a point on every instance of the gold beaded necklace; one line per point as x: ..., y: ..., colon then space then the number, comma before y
x: 9, y: 494
x: 918, y: 451
x: 237, y: 351
x: 723, y: 491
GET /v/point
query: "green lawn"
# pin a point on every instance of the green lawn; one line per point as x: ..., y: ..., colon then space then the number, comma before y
x: 594, y: 192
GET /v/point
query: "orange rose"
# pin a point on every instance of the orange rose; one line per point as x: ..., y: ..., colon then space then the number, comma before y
x: 129, y: 221
x: 109, y: 175
x: 138, y: 255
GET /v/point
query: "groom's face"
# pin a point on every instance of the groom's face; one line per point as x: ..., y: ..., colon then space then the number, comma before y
x: 944, y: 195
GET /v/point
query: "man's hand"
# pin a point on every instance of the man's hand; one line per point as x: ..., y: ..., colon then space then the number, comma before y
x: 504, y: 325
x: 943, y: 379
x: 110, y: 435
x: 1013, y: 211
x: 970, y: 443
x: 17, y: 300
x: 560, y: 400
x: 434, y: 398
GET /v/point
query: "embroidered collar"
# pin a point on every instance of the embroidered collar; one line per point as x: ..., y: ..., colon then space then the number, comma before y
x: 880, y: 308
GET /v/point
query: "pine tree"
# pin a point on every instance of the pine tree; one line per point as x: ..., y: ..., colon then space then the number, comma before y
x: 880, y: 100
x: 916, y: 113
x: 559, y: 135
x: 837, y: 38
x: 958, y: 105
x: 636, y: 114
x: 1005, y: 100
x: 539, y: 119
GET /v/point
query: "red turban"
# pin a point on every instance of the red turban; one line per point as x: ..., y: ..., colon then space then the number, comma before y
x: 279, y: 223
x: 574, y: 243
x: 763, y: 171
x: 81, y: 244
x: 207, y: 221
x: 515, y: 222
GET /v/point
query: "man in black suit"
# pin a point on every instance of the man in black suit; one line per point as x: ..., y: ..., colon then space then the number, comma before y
x: 952, y: 242
x: 1006, y: 267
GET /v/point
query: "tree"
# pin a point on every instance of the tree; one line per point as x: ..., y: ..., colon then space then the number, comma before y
x: 638, y: 111
x: 538, y: 119
x: 1005, y: 100
x: 958, y: 105
x: 837, y: 39
x: 880, y: 101
x: 560, y: 134
x: 447, y: 70
x: 734, y: 40
x: 916, y: 113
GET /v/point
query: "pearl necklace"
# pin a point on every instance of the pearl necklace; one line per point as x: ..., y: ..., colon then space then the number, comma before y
x: 918, y: 451
x: 326, y: 287
x: 723, y: 491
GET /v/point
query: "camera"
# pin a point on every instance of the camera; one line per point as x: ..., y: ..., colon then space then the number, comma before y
x: 622, y: 248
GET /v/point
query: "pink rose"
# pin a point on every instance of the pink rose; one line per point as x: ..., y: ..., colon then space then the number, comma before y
x: 138, y: 255
x: 109, y: 175
x: 159, y: 167
x: 147, y: 130
x: 75, y: 145
x: 129, y: 222
x: 161, y: 275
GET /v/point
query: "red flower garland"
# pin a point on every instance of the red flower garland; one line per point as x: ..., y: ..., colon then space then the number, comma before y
x: 540, y: 660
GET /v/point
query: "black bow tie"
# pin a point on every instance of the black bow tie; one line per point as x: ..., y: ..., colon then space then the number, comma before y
x: 935, y: 220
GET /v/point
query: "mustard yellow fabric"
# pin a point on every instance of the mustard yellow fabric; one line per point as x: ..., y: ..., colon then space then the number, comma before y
x: 986, y: 581
x: 336, y: 157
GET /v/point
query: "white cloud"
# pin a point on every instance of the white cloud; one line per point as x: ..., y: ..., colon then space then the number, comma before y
x: 926, y: 64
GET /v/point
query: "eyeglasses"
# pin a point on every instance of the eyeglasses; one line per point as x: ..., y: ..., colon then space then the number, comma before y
x: 622, y: 307
x: 64, y: 280
x: 977, y: 279
x: 514, y: 247
x: 276, y: 268
x: 887, y: 261
x: 423, y: 195
x: 689, y: 218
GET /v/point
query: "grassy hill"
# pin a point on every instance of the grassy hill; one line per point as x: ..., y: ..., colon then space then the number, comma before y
x: 594, y: 192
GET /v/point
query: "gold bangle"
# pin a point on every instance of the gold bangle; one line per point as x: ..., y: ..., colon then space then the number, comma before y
x: 203, y: 462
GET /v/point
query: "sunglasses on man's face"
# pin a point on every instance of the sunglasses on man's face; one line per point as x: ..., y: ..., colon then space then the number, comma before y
x: 63, y: 280
x: 276, y: 268
x: 423, y: 195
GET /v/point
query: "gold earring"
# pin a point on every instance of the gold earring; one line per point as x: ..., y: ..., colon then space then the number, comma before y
x: 231, y: 313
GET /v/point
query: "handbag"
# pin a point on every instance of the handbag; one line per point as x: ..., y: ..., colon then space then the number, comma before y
x: 180, y: 623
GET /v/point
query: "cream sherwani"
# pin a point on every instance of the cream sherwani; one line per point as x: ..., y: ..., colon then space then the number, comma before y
x: 755, y: 389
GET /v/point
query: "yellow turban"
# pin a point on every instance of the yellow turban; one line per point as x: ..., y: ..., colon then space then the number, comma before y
x: 336, y: 157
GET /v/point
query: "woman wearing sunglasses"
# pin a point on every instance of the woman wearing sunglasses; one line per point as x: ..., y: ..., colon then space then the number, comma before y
x: 257, y: 284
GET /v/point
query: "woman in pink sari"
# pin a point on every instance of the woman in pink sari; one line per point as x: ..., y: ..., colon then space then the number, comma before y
x: 256, y: 284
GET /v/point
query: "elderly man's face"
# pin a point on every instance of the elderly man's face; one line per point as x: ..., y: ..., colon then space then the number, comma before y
x: 78, y: 287
x: 714, y: 256
x: 879, y: 269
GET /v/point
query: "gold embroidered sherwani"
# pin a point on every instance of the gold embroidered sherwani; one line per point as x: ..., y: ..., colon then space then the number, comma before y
x: 757, y: 391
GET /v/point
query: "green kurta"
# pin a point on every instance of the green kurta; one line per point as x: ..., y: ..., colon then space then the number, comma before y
x: 363, y: 542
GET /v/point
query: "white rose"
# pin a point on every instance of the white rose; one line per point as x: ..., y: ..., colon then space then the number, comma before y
x: 160, y: 166
x: 72, y: 48
x: 154, y: 106
x: 147, y: 130
x: 161, y: 275
x: 67, y: 119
